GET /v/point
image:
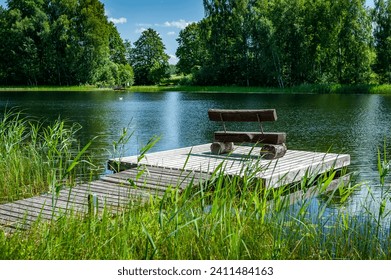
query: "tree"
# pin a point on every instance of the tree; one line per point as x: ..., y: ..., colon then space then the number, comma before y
x: 224, y: 41
x: 25, y: 30
x: 286, y: 42
x: 60, y: 42
x: 353, y: 49
x: 3, y: 44
x: 382, y: 36
x: 264, y: 53
x: 148, y: 59
x: 191, y: 50
x: 117, y: 46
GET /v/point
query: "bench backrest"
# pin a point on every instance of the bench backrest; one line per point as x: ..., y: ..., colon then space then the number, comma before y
x: 266, y: 115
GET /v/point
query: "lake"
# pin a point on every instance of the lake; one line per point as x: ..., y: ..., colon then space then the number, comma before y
x: 354, y: 124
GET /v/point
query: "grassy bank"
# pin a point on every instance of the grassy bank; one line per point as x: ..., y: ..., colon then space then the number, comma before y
x: 306, y: 89
x: 52, y: 88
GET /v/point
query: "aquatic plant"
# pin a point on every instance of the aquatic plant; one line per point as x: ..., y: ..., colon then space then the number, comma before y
x: 36, y: 157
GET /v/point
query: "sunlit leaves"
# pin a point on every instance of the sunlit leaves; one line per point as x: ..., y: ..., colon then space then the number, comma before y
x: 148, y: 58
x: 60, y: 42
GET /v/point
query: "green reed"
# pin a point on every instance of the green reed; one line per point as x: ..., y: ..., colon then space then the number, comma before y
x: 36, y: 157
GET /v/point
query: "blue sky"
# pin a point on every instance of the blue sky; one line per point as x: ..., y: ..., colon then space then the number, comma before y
x: 167, y: 17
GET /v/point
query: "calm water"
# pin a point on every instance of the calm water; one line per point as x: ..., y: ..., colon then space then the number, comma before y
x: 354, y: 124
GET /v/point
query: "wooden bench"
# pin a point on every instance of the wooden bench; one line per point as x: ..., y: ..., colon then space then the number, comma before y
x: 273, y: 143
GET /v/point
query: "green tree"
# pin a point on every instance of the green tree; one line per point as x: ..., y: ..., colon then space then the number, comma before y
x: 285, y: 43
x: 3, y: 44
x: 26, y: 30
x: 191, y: 50
x: 223, y: 41
x: 59, y: 42
x: 117, y: 46
x: 264, y: 53
x: 353, y: 45
x: 148, y: 59
x: 321, y: 33
x: 382, y: 36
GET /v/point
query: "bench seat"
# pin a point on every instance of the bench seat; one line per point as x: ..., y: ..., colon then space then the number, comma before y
x: 275, y: 138
x: 273, y: 143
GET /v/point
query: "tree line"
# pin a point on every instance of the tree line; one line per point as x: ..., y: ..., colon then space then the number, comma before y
x: 288, y: 42
x: 71, y: 42
x: 238, y: 42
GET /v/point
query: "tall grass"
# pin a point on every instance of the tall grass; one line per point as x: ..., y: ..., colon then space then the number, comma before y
x: 34, y: 157
x: 222, y: 218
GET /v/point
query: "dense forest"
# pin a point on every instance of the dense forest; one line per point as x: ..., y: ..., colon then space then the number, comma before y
x: 60, y: 42
x: 69, y: 42
x: 288, y: 42
x: 238, y: 42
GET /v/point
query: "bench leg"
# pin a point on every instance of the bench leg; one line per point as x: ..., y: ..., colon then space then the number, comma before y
x: 218, y: 148
x: 269, y: 151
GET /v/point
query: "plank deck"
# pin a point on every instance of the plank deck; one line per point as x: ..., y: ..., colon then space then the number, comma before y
x: 158, y: 171
x: 286, y: 170
x: 113, y: 191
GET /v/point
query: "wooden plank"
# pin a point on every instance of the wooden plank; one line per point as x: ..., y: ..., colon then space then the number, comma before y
x: 15, y: 222
x: 133, y: 192
x: 162, y: 178
x: 61, y: 205
x: 28, y: 209
x: 250, y: 137
x: 156, y: 180
x: 124, y: 182
x: 290, y: 167
x: 265, y: 115
x: 12, y: 216
x: 104, y: 199
x: 310, y: 169
x: 107, y: 193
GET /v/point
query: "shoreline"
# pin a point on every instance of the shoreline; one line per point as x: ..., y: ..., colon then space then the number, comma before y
x: 302, y: 89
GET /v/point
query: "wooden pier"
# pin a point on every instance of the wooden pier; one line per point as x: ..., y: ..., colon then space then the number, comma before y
x: 138, y: 180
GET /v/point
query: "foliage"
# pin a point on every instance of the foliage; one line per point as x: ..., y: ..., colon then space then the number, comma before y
x: 279, y: 43
x: 191, y: 51
x: 35, y: 156
x: 60, y: 43
x: 148, y: 59
x: 382, y: 35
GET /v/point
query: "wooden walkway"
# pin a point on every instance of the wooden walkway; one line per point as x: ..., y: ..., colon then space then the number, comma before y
x: 158, y: 171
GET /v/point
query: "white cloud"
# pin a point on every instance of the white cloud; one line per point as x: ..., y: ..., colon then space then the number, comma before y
x: 120, y: 20
x: 181, y: 24
x: 140, y: 30
x: 173, y: 59
x: 171, y: 33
